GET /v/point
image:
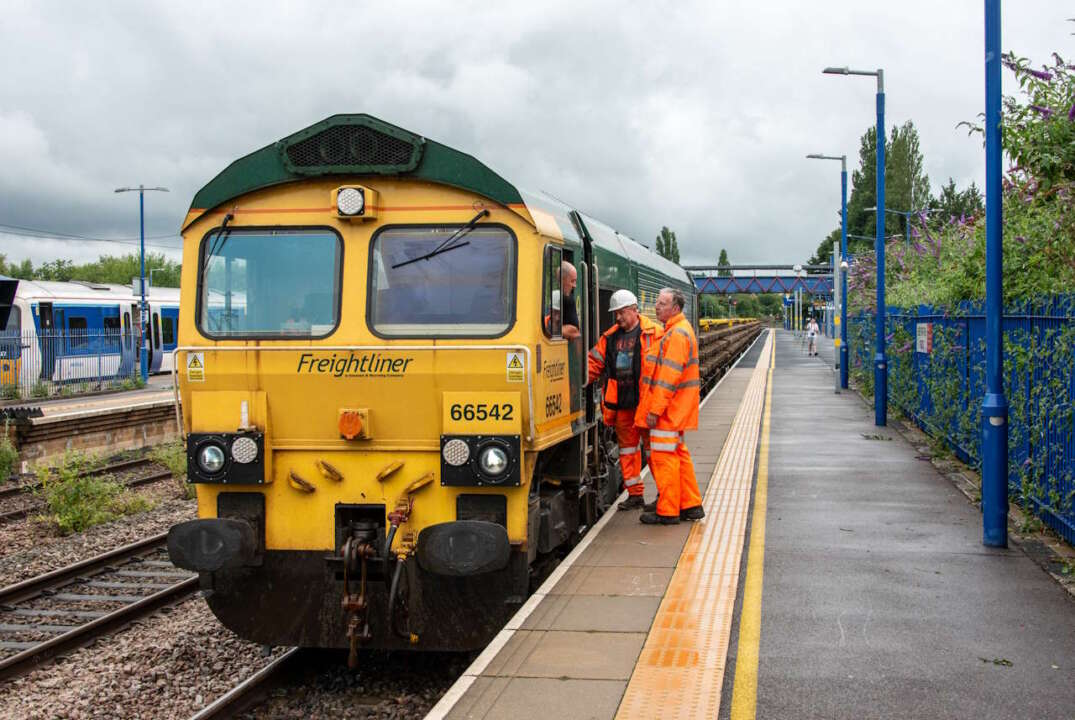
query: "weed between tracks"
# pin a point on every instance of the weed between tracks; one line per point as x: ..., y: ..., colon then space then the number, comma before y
x: 9, y: 456
x: 75, y: 501
x: 173, y: 455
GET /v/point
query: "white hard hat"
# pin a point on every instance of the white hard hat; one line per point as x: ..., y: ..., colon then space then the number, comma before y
x: 556, y: 300
x: 621, y: 299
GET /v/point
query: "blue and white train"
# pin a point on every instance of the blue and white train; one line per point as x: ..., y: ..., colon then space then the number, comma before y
x: 78, y: 331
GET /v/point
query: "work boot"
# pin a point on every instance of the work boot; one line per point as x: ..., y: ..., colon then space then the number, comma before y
x: 692, y: 513
x: 633, y: 502
x: 651, y: 507
x: 652, y: 518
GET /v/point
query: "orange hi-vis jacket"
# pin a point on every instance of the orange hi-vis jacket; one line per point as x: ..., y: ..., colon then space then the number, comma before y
x: 671, y: 390
x: 651, y: 333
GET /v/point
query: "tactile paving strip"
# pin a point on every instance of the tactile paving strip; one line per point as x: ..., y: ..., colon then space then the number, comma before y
x: 681, y: 667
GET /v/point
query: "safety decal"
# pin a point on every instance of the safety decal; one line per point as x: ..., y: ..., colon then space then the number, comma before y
x: 516, y: 367
x: 196, y: 367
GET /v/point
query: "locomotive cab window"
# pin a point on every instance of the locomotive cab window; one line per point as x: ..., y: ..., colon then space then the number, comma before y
x: 442, y: 282
x: 552, y: 294
x: 269, y: 283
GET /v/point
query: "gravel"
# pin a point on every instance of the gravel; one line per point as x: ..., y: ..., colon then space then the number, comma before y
x: 169, y: 665
x: 401, y: 686
x: 30, y: 547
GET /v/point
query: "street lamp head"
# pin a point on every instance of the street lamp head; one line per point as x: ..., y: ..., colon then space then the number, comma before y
x: 815, y: 156
x: 837, y: 70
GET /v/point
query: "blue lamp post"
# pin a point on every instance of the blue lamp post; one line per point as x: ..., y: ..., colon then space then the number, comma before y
x: 842, y: 341
x: 994, y: 404
x: 880, y: 363
x: 143, y: 355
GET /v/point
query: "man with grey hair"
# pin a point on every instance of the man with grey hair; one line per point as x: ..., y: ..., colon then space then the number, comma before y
x: 669, y: 407
x: 569, y: 278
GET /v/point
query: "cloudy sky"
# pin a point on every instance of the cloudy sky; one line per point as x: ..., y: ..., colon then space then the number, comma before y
x: 696, y: 116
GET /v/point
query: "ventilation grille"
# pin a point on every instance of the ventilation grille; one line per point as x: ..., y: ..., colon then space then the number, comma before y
x: 351, y: 148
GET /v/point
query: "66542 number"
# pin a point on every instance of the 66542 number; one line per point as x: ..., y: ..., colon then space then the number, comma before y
x: 482, y: 411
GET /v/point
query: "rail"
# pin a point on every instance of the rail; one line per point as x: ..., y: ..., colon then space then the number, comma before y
x: 134, y: 568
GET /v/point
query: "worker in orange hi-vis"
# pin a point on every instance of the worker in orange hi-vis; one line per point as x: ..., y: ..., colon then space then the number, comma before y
x: 620, y: 356
x: 668, y: 407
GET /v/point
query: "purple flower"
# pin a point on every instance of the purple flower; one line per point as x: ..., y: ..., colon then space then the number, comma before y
x: 1071, y: 112
x: 1040, y: 74
x: 1020, y: 239
x: 1045, y: 112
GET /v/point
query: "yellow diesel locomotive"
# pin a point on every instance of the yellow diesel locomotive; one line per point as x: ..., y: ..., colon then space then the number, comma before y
x: 388, y: 427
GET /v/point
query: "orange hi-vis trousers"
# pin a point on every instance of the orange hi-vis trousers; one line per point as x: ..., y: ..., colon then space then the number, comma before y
x: 630, y: 439
x: 673, y: 471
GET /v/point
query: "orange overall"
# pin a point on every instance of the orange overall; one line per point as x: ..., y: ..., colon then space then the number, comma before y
x: 628, y: 435
x: 671, y: 392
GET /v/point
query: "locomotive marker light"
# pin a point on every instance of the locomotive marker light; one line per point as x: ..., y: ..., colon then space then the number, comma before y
x: 880, y: 363
x: 355, y: 202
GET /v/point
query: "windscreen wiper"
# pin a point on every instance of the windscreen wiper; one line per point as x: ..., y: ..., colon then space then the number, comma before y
x: 220, y: 239
x: 446, y: 245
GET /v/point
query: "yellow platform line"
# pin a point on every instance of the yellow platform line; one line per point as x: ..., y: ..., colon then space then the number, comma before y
x: 745, y: 686
x: 681, y: 667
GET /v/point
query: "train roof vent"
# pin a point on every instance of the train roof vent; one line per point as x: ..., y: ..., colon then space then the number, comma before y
x: 351, y: 144
x: 91, y: 285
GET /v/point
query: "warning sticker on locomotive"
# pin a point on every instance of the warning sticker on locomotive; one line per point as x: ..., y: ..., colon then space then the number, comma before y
x: 516, y: 367
x: 482, y: 413
x: 196, y: 367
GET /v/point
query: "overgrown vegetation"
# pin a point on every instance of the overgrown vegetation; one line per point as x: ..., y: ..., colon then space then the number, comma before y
x: 938, y: 277
x: 173, y: 455
x: 9, y: 456
x: 76, y: 500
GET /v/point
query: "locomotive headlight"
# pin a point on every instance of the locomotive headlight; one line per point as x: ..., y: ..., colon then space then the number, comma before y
x: 350, y: 201
x: 211, y: 459
x: 493, y: 461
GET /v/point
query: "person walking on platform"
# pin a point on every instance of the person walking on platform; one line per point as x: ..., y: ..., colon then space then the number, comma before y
x: 668, y: 407
x: 620, y: 355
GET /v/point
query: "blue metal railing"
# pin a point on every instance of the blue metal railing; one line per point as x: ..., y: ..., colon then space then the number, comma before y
x: 936, y: 376
x: 40, y: 365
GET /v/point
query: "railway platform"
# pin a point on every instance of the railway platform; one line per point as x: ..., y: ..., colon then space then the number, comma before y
x: 109, y: 421
x: 836, y: 575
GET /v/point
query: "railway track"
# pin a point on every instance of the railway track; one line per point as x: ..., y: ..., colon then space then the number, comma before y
x: 54, y: 613
x: 253, y: 690
x: 19, y: 494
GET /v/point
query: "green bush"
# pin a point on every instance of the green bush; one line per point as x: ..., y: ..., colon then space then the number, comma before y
x: 9, y: 392
x: 76, y: 501
x: 39, y: 390
x: 9, y: 456
x: 172, y: 455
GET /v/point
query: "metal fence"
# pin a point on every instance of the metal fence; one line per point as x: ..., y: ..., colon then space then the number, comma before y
x: 936, y: 376
x: 40, y: 365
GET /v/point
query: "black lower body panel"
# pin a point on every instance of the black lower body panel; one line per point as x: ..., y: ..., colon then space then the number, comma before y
x: 294, y: 598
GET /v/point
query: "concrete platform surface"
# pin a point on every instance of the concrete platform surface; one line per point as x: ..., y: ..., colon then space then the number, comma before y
x: 576, y: 650
x: 879, y: 599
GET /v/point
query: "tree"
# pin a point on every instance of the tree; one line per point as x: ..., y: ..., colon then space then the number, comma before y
x: 107, y: 269
x: 906, y: 188
x: 906, y: 183
x: 723, y: 263
x: 953, y: 203
x: 666, y: 245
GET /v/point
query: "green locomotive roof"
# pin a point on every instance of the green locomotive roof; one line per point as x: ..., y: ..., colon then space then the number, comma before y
x: 353, y: 145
